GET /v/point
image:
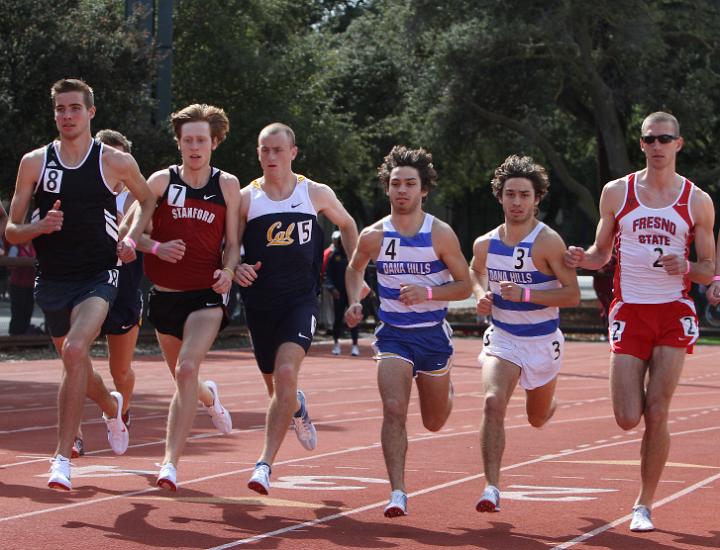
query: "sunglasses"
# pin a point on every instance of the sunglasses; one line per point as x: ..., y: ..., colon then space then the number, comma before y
x: 662, y: 138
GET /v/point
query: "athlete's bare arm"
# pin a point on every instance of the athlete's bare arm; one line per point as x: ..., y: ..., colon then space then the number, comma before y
x: 169, y: 251
x: 231, y: 253
x: 479, y: 275
x: 548, y: 255
x: 447, y: 248
x: 245, y: 274
x: 121, y: 169
x: 17, y: 231
x: 368, y: 247
x: 703, y: 269
x: 326, y: 202
x: 599, y: 253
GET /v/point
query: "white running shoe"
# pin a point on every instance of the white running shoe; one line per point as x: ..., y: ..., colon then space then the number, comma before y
x: 355, y: 350
x: 260, y: 479
x: 336, y: 349
x: 641, y: 521
x: 167, y: 478
x: 118, y: 435
x: 304, y: 429
x: 220, y: 416
x: 60, y: 473
x: 490, y: 500
x: 397, y: 506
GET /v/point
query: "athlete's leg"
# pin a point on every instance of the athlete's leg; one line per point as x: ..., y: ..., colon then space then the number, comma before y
x: 268, y: 379
x: 499, y: 380
x: 627, y: 389
x: 121, y: 350
x: 435, y: 399
x: 283, y: 400
x: 395, y: 384
x: 540, y: 403
x: 201, y: 328
x: 170, y: 346
x: 79, y: 378
x: 664, y: 373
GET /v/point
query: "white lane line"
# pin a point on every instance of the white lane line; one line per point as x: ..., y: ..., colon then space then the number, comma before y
x: 434, y: 488
x: 619, y: 521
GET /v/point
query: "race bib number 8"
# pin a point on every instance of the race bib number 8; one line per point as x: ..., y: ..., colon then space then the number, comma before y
x: 52, y: 180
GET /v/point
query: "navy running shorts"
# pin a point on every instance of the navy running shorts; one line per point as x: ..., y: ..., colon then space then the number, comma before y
x: 271, y: 328
x: 57, y: 299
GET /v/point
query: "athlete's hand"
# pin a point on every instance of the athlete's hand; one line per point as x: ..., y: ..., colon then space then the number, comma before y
x: 574, y: 256
x: 484, y: 304
x: 511, y: 291
x: 713, y: 293
x: 413, y: 294
x: 52, y: 221
x: 245, y: 274
x: 126, y: 252
x: 353, y: 314
x: 171, y: 251
x: 224, y: 281
x: 674, y: 264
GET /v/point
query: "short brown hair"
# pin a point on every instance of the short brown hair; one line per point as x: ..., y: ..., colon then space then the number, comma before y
x: 65, y: 85
x: 201, y: 112
x: 516, y: 166
x: 276, y: 128
x: 419, y: 159
x: 660, y: 116
x: 114, y: 138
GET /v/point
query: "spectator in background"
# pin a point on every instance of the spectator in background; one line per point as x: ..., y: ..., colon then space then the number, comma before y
x: 327, y: 318
x: 335, y: 283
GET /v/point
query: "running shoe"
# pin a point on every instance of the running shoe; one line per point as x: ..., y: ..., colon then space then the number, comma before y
x: 60, y: 473
x: 260, y: 479
x: 304, y: 429
x: 221, y: 418
x: 118, y: 435
x: 641, y: 521
x: 355, y: 350
x: 336, y: 349
x: 167, y: 478
x: 397, y: 506
x: 126, y: 418
x: 490, y: 500
x: 78, y: 448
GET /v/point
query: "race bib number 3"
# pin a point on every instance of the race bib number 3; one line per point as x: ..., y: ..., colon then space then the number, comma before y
x: 52, y: 180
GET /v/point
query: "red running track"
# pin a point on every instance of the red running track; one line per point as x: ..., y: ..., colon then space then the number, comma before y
x: 570, y: 484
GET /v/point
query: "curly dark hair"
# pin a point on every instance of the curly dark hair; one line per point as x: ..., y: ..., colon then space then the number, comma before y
x: 516, y: 166
x: 419, y: 159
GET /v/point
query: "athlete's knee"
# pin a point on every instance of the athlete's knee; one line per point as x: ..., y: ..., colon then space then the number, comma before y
x: 74, y: 351
x: 434, y: 423
x: 656, y: 413
x: 186, y: 372
x: 121, y: 376
x: 494, y: 406
x: 395, y: 410
x: 537, y: 420
x: 627, y: 420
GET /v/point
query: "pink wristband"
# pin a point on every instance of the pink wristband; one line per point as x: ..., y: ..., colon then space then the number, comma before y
x: 526, y: 295
x: 716, y: 278
x: 688, y: 268
x: 429, y: 292
x: 154, y: 248
x: 131, y: 241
